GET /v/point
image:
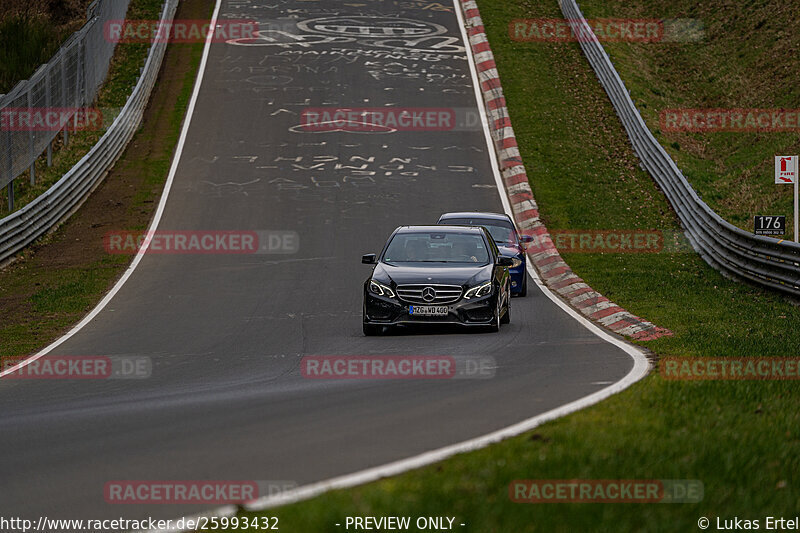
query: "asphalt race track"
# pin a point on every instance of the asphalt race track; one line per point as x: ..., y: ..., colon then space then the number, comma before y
x: 226, y: 333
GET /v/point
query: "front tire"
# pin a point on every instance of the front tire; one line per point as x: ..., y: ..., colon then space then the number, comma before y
x: 495, y: 326
x: 524, y: 290
x: 507, y: 317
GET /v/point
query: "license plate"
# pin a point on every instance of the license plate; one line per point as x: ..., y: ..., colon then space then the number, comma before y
x: 426, y: 310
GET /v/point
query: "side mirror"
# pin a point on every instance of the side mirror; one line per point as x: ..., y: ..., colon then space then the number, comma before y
x: 369, y: 259
x: 504, y: 261
x: 526, y: 239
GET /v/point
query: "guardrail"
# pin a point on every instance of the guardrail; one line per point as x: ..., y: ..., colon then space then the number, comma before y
x: 734, y: 252
x: 55, y: 205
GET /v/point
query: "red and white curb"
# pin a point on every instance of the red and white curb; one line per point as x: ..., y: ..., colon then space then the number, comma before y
x: 543, y: 254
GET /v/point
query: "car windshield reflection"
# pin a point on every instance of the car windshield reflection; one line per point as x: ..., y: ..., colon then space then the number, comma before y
x: 433, y: 247
x: 501, y: 232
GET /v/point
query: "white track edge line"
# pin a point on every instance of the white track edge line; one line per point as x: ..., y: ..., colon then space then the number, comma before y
x: 156, y: 218
x: 641, y: 366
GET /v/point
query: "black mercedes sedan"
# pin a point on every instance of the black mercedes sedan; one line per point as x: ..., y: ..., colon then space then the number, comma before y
x: 437, y: 275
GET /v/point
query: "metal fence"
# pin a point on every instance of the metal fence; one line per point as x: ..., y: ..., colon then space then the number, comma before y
x: 70, y: 79
x: 731, y: 250
x: 44, y: 213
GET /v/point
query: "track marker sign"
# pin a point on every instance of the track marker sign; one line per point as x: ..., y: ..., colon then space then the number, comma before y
x: 786, y: 172
x: 770, y: 225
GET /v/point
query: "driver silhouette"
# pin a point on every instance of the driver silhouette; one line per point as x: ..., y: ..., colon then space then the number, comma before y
x: 465, y: 249
x: 416, y: 250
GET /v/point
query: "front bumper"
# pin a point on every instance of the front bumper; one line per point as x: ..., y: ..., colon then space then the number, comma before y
x: 380, y: 310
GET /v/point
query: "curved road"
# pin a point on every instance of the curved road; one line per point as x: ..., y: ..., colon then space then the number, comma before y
x: 226, y: 333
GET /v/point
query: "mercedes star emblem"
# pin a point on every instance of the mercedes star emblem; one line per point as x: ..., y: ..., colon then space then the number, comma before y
x: 428, y: 294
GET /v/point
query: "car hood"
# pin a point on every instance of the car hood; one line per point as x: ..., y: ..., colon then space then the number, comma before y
x: 432, y: 273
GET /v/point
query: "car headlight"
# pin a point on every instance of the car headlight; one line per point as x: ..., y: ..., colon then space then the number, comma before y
x: 380, y: 289
x: 516, y: 261
x: 484, y: 289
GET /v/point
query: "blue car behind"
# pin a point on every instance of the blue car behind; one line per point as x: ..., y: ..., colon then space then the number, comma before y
x: 508, y: 239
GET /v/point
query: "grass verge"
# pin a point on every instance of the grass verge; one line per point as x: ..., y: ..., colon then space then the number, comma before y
x: 59, y: 279
x: 31, y: 33
x: 739, y: 438
x: 742, y: 61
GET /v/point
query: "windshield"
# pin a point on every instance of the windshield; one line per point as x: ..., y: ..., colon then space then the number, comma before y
x: 431, y: 247
x: 502, y: 232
